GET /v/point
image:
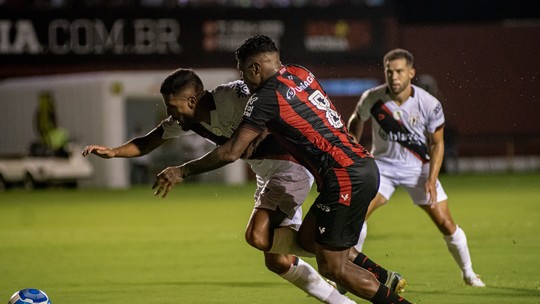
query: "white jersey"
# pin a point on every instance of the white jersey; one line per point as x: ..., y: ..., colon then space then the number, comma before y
x: 400, y: 133
x: 288, y: 181
x: 230, y: 100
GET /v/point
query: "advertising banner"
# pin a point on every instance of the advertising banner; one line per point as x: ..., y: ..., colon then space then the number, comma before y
x: 158, y: 37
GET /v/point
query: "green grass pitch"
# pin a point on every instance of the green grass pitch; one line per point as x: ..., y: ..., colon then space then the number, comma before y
x: 126, y: 246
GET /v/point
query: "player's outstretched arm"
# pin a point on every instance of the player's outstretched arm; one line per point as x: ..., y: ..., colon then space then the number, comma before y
x: 356, y: 127
x: 137, y: 146
x: 101, y: 151
x: 227, y: 153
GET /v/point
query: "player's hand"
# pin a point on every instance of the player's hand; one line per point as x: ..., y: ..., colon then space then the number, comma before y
x: 431, y: 190
x: 166, y: 179
x: 101, y: 151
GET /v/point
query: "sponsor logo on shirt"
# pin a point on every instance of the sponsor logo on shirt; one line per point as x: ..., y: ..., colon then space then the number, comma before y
x: 217, y: 131
x: 291, y: 92
x: 249, y: 106
x: 323, y: 207
x: 438, y: 108
x: 399, y: 136
x: 413, y: 119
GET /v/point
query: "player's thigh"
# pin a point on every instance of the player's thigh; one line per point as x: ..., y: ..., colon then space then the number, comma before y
x: 260, y: 226
x: 378, y: 201
x: 416, y: 188
x: 388, y: 183
x: 285, y: 190
x: 306, y: 236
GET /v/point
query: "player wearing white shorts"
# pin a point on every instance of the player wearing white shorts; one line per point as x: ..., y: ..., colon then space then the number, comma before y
x: 408, y: 145
x: 282, y: 184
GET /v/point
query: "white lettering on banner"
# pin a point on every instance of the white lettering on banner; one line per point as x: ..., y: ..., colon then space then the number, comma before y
x: 227, y: 35
x: 109, y: 41
x: 25, y: 40
x: 91, y: 36
x: 326, y: 44
x: 156, y: 36
x: 56, y: 28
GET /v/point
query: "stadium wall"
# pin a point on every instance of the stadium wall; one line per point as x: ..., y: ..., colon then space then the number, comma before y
x: 93, y: 108
x: 486, y: 69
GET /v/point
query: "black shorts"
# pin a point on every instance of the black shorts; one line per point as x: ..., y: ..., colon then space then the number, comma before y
x: 340, y: 208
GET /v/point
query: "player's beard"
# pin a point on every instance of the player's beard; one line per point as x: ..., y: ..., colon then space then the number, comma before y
x: 398, y: 89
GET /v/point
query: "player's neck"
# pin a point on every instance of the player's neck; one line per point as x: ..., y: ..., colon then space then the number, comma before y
x: 204, y: 107
x: 402, y: 97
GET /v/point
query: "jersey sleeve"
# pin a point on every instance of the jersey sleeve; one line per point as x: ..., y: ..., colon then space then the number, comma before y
x: 260, y: 109
x: 234, y: 89
x: 171, y: 129
x: 363, y: 107
x: 435, y: 116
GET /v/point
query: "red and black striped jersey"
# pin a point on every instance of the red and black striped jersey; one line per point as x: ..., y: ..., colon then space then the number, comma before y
x: 298, y: 112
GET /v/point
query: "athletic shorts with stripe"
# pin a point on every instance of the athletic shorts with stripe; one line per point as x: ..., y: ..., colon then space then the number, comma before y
x: 283, y: 185
x: 412, y: 179
x: 341, y: 206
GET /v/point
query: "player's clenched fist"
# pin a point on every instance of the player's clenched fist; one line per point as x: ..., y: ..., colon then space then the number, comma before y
x: 166, y: 179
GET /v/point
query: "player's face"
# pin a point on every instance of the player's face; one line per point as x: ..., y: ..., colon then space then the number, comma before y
x: 249, y: 76
x: 181, y: 107
x: 398, y: 75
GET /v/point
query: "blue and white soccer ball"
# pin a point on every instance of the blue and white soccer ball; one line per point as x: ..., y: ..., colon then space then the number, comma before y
x: 29, y: 296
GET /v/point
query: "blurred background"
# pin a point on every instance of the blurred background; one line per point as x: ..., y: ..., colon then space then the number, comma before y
x: 98, y: 65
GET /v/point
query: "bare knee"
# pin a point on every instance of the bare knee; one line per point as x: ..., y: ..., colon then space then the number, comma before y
x: 278, y: 263
x: 441, y: 217
x: 258, y: 240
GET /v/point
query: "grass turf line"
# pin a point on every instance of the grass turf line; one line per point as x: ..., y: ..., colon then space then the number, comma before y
x: 107, y: 246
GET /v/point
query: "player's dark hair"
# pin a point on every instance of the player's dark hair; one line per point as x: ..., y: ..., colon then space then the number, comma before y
x: 255, y: 45
x: 399, y: 54
x: 179, y: 80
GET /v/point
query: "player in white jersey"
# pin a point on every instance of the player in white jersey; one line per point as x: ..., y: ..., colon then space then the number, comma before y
x: 408, y: 145
x: 282, y: 184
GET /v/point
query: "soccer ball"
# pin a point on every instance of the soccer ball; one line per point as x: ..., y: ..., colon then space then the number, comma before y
x: 29, y: 296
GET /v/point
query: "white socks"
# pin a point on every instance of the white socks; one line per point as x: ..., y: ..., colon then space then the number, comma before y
x: 305, y: 277
x: 363, y: 234
x: 457, y: 245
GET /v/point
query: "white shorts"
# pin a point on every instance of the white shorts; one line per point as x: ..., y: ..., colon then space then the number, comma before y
x: 283, y: 185
x: 412, y: 180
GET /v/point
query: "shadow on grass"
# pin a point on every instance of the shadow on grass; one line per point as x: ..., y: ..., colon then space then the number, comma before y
x: 498, y: 291
x: 202, y: 283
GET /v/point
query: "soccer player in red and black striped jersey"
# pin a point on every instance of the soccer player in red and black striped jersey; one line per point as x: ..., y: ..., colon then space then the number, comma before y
x: 289, y: 102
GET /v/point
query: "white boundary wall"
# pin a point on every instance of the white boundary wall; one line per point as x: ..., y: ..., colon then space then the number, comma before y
x: 91, y: 106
